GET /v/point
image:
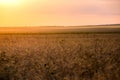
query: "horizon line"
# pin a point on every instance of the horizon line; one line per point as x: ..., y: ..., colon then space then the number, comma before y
x: 117, y: 24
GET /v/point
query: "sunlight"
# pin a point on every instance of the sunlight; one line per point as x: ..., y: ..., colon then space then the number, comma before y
x: 9, y: 2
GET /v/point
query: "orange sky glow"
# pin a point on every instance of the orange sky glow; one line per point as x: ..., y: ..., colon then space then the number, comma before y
x: 58, y: 12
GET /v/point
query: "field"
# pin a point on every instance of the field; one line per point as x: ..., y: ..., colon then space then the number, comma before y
x: 60, y: 29
x: 60, y: 56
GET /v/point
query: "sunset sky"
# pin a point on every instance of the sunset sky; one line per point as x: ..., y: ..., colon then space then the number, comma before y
x: 58, y: 12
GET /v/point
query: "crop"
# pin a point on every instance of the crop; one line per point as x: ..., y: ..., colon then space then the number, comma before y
x: 60, y: 57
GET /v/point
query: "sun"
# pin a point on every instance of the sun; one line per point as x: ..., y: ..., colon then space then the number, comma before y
x: 9, y: 2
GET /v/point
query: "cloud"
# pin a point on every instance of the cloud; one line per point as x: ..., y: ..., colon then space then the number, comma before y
x: 76, y: 7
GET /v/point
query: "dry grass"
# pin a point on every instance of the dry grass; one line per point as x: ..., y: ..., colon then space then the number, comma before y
x: 60, y: 57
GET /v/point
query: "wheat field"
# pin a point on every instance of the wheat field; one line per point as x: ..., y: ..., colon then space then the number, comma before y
x: 60, y: 56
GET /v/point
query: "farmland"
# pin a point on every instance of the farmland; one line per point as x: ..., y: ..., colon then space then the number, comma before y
x: 60, y: 56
